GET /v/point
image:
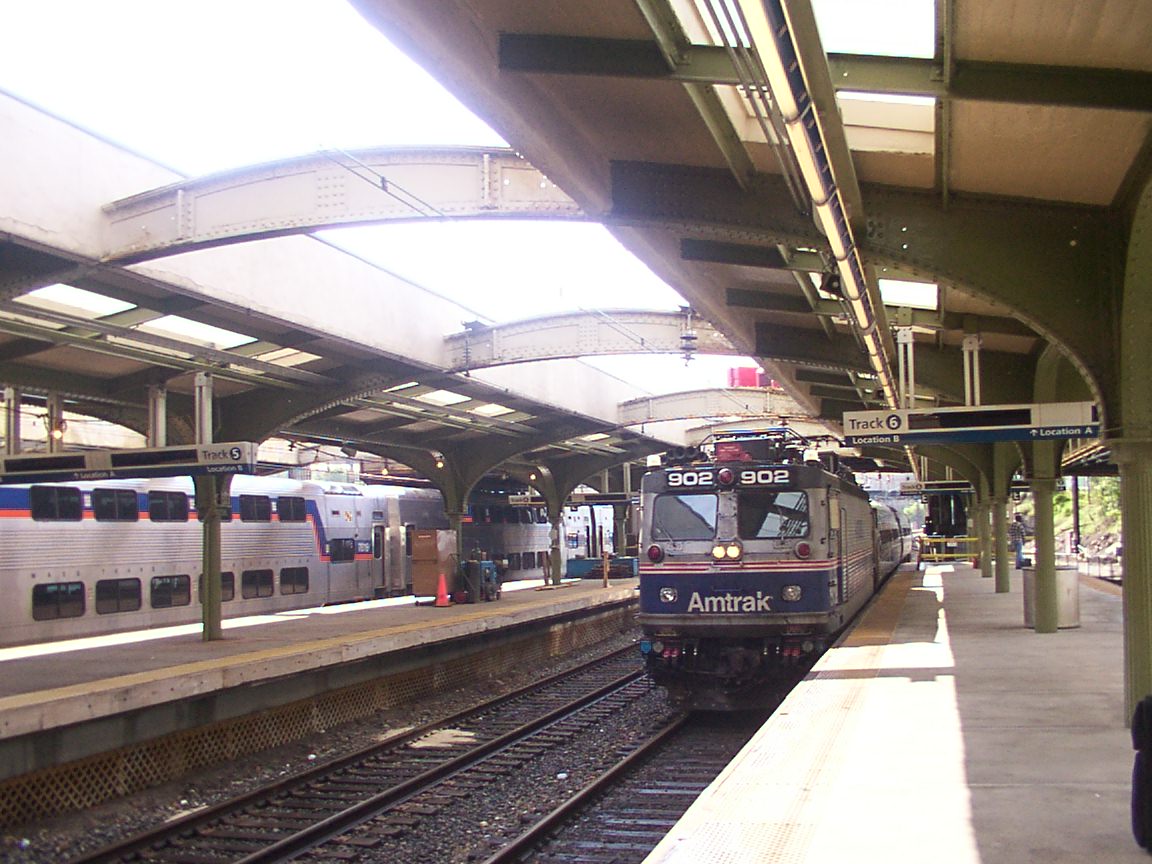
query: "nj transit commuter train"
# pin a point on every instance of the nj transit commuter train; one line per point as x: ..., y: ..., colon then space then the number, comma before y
x: 91, y: 558
x: 754, y: 556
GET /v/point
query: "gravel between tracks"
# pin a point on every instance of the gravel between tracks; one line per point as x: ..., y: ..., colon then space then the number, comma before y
x: 63, y: 838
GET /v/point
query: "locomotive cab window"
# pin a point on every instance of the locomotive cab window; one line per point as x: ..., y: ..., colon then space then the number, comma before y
x: 115, y: 505
x: 342, y: 549
x: 167, y: 506
x: 765, y: 514
x: 690, y: 516
x: 56, y: 503
x: 255, y: 508
x: 57, y: 600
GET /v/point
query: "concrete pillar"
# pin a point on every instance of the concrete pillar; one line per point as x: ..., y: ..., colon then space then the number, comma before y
x: 1135, y: 461
x: 1047, y: 608
x: 1000, y: 540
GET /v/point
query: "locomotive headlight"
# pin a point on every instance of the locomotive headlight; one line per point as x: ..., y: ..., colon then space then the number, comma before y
x: 668, y: 595
x: 727, y: 552
x: 791, y: 593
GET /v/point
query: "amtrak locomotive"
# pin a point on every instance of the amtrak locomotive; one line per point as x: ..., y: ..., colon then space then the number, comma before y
x: 755, y: 554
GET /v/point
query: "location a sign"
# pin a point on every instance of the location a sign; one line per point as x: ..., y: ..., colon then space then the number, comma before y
x: 973, y: 424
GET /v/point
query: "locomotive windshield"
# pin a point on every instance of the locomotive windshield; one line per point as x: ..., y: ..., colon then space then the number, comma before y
x: 763, y: 514
x: 690, y: 516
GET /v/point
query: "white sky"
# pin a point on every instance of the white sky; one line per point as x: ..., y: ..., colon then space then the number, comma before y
x: 221, y: 83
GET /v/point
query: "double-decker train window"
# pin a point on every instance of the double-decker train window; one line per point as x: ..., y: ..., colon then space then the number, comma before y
x: 255, y: 508
x: 167, y: 506
x: 115, y: 505
x: 342, y: 549
x: 688, y: 516
x: 764, y: 514
x: 171, y: 591
x: 294, y: 580
x: 56, y: 503
x: 290, y: 508
x: 227, y: 586
x: 514, y: 561
x: 117, y: 595
x: 55, y: 600
x: 256, y: 583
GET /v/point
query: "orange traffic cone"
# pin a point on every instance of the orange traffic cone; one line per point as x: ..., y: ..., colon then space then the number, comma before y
x: 442, y: 593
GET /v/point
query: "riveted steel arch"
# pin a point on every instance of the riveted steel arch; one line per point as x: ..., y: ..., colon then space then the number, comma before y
x: 329, y: 189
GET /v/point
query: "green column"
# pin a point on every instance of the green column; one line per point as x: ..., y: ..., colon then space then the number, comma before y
x: 983, y: 510
x: 208, y: 509
x: 556, y: 538
x: 1000, y: 540
x: 1135, y: 461
x: 1047, y: 600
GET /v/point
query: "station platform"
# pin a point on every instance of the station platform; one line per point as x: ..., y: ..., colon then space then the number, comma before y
x: 939, y: 729
x: 151, y: 695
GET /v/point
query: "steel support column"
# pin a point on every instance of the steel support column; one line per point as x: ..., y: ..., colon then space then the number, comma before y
x: 1047, y: 608
x: 1135, y: 460
x: 12, y: 431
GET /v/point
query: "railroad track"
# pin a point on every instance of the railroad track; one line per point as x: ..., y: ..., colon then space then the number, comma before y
x: 621, y: 816
x: 359, y: 805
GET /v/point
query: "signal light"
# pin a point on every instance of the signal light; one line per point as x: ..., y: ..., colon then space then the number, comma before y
x: 726, y: 476
x: 803, y: 549
x: 655, y: 554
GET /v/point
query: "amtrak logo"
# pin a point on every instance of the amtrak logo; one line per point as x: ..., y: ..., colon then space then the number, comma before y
x: 730, y: 603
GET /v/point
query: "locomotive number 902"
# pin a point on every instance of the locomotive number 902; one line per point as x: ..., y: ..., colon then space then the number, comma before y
x: 742, y: 477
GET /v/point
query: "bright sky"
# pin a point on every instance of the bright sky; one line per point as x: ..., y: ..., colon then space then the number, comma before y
x: 222, y: 83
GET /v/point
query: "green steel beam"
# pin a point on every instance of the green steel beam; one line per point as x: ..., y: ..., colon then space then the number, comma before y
x: 806, y: 347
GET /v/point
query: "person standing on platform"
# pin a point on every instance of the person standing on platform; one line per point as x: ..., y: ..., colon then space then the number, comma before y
x: 1016, y: 538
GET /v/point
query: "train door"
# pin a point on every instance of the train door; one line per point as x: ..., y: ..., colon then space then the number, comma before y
x: 836, y: 549
x: 379, y: 571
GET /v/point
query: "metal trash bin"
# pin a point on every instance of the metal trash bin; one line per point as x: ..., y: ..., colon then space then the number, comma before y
x: 1067, y: 597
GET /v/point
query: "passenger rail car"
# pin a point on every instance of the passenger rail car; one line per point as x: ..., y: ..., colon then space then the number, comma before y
x: 102, y: 557
x: 754, y: 556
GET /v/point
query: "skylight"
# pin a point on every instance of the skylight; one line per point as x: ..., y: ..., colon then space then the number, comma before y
x: 443, y: 398
x: 887, y: 28
x: 287, y: 357
x: 491, y: 409
x: 65, y: 298
x: 194, y: 331
x: 917, y: 295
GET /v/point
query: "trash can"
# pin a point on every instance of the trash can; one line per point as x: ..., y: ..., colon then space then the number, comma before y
x: 1067, y: 597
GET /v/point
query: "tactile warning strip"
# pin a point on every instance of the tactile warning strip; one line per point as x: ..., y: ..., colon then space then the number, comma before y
x: 90, y: 781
